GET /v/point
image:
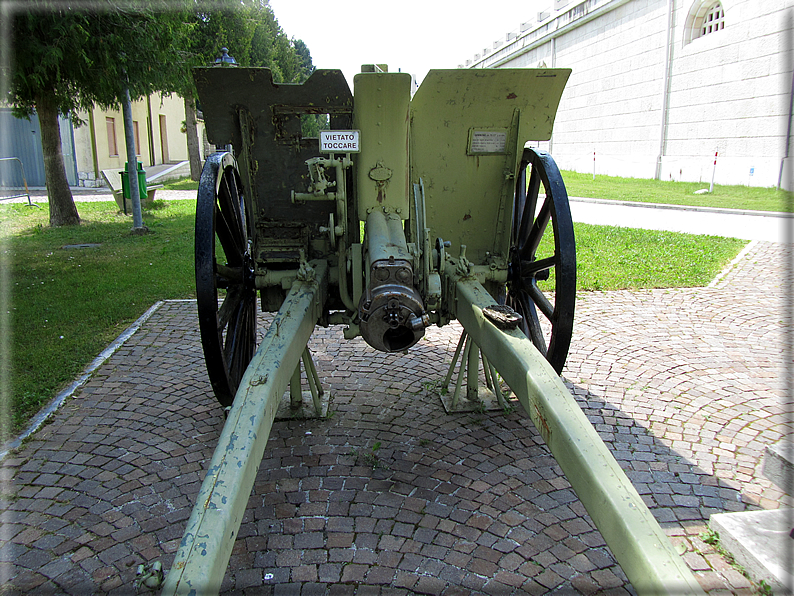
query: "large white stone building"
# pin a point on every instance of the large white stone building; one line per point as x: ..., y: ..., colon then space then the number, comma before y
x: 659, y: 86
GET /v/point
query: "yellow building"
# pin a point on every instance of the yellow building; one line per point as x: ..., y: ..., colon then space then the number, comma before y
x: 158, y: 128
x: 98, y: 144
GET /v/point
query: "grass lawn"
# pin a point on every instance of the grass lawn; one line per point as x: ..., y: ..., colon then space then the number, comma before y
x: 183, y: 184
x: 676, y: 193
x: 67, y: 304
x: 612, y: 258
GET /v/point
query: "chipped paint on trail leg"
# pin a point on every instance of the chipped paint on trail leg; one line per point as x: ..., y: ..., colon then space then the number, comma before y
x: 632, y: 533
x: 206, y: 545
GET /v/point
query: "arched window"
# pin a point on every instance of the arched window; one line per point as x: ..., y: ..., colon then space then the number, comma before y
x: 714, y: 20
x: 705, y: 17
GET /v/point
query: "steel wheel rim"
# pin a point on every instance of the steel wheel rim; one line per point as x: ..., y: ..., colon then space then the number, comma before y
x: 228, y: 330
x: 526, y: 267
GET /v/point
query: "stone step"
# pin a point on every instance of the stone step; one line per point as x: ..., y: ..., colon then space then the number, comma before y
x: 779, y: 465
x: 761, y: 542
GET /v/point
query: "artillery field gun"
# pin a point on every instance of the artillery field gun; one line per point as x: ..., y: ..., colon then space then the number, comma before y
x: 460, y: 221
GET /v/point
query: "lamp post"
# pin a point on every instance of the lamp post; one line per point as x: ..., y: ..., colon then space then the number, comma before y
x: 132, y: 161
x: 225, y: 59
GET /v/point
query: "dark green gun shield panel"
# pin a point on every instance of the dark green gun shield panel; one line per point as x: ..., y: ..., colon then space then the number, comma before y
x: 262, y: 120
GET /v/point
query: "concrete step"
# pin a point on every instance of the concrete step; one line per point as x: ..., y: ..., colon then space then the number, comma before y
x: 761, y: 542
x: 166, y: 172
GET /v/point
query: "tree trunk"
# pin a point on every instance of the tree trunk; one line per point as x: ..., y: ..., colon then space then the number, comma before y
x: 62, y: 209
x: 193, y: 147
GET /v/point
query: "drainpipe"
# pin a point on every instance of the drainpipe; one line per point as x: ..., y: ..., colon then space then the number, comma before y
x: 788, y: 133
x: 668, y: 46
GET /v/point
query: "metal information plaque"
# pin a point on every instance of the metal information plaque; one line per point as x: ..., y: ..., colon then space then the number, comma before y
x: 339, y: 141
x: 487, y: 142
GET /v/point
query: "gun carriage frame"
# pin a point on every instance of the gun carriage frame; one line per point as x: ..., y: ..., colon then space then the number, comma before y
x: 461, y: 221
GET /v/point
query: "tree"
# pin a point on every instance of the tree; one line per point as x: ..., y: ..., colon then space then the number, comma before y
x: 249, y: 29
x: 70, y: 59
x: 210, y: 28
x: 305, y: 58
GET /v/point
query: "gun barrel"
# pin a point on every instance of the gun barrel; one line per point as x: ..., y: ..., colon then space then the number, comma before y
x: 391, y: 311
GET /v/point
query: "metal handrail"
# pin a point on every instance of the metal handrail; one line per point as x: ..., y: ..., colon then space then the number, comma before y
x: 24, y: 181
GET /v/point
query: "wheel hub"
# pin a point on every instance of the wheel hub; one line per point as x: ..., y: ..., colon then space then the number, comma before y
x: 517, y: 278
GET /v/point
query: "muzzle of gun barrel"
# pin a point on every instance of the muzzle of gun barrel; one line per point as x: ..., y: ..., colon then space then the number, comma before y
x: 391, y: 312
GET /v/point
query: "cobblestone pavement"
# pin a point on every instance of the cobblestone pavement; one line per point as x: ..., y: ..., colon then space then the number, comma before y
x: 390, y: 495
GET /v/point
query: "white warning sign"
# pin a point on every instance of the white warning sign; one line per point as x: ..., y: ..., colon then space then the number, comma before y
x: 339, y: 141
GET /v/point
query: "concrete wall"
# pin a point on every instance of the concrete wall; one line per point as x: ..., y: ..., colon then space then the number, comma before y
x: 612, y: 104
x: 173, y: 110
x: 725, y: 92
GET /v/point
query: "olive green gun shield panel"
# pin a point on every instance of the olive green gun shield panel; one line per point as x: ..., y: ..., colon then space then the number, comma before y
x: 468, y: 130
x: 381, y: 114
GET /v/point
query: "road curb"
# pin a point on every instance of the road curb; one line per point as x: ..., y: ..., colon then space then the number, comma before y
x: 725, y: 211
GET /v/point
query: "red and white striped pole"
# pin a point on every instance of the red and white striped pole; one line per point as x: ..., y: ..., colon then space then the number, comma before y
x: 593, y: 164
x: 714, y: 169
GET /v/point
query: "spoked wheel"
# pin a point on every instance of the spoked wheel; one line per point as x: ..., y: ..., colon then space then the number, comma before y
x: 224, y: 261
x: 541, y: 282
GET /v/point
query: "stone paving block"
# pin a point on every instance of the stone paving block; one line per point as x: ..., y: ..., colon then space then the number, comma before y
x: 664, y: 374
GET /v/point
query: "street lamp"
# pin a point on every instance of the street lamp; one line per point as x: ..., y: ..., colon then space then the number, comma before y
x: 225, y: 59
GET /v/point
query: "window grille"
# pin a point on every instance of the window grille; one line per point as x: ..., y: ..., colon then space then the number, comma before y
x: 714, y: 20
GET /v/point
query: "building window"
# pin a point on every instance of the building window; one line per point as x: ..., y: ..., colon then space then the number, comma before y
x: 705, y: 17
x: 113, y: 149
x: 714, y: 20
x: 137, y: 137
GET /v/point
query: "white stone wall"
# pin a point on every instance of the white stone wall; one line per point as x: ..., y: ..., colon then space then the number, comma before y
x: 729, y: 91
x: 612, y: 104
x: 729, y: 94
